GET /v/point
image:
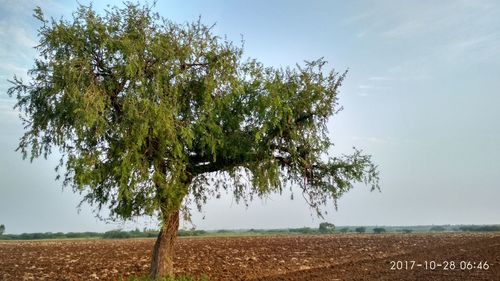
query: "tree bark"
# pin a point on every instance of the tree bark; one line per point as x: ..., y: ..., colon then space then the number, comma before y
x: 162, y: 262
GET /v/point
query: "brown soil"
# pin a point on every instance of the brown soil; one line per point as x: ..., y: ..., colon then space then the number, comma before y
x: 338, y: 257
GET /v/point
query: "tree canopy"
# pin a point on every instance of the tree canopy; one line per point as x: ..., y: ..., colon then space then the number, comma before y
x: 151, y: 116
x: 326, y: 227
x: 147, y: 114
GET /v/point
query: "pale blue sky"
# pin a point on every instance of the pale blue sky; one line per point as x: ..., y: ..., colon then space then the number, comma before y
x: 421, y: 96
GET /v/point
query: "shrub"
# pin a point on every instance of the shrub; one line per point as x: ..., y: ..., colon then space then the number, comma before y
x: 437, y: 228
x: 344, y: 229
x: 183, y: 232
x: 326, y: 227
x: 116, y: 234
x: 480, y: 228
x: 360, y: 229
x: 302, y: 230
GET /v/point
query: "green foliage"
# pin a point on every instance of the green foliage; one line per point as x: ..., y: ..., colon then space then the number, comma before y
x: 344, y: 230
x: 2, y: 229
x: 147, y: 113
x: 116, y: 234
x: 191, y: 232
x: 272, y: 231
x: 50, y: 235
x: 480, y: 228
x: 80, y: 234
x: 437, y: 228
x: 379, y: 230
x: 326, y: 227
x: 360, y: 229
x: 406, y: 230
x: 302, y: 230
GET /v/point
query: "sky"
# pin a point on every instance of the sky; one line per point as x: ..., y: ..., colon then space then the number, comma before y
x: 421, y: 97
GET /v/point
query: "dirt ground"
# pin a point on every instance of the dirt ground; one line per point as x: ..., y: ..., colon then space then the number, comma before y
x: 335, y: 257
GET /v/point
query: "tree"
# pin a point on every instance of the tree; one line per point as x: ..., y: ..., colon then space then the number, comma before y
x: 326, y: 227
x: 437, y: 228
x: 152, y: 116
x: 378, y: 230
x: 344, y: 230
x: 360, y: 229
x: 2, y: 229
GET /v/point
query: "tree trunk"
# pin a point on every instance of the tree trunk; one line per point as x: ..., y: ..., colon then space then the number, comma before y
x: 162, y: 262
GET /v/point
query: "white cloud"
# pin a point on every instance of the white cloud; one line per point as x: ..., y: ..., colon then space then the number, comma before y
x: 361, y: 17
x: 373, y: 87
x: 380, y: 78
x: 479, y: 48
x: 372, y: 139
x: 7, y: 111
x: 408, y: 28
x: 410, y: 70
x: 361, y: 34
x: 365, y: 87
x: 7, y: 70
x: 18, y: 40
x: 385, y: 140
x: 443, y: 31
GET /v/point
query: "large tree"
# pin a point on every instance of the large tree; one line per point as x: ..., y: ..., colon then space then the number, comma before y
x: 151, y: 117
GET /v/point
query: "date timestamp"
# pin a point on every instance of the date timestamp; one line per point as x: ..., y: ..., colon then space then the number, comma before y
x: 439, y: 265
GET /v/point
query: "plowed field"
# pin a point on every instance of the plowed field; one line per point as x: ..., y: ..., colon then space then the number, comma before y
x: 336, y: 257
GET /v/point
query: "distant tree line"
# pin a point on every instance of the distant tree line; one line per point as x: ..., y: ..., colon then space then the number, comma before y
x: 465, y: 228
x: 192, y: 232
x: 50, y: 235
x: 360, y: 229
x: 113, y: 234
x: 324, y: 228
x: 437, y: 228
x: 480, y: 228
